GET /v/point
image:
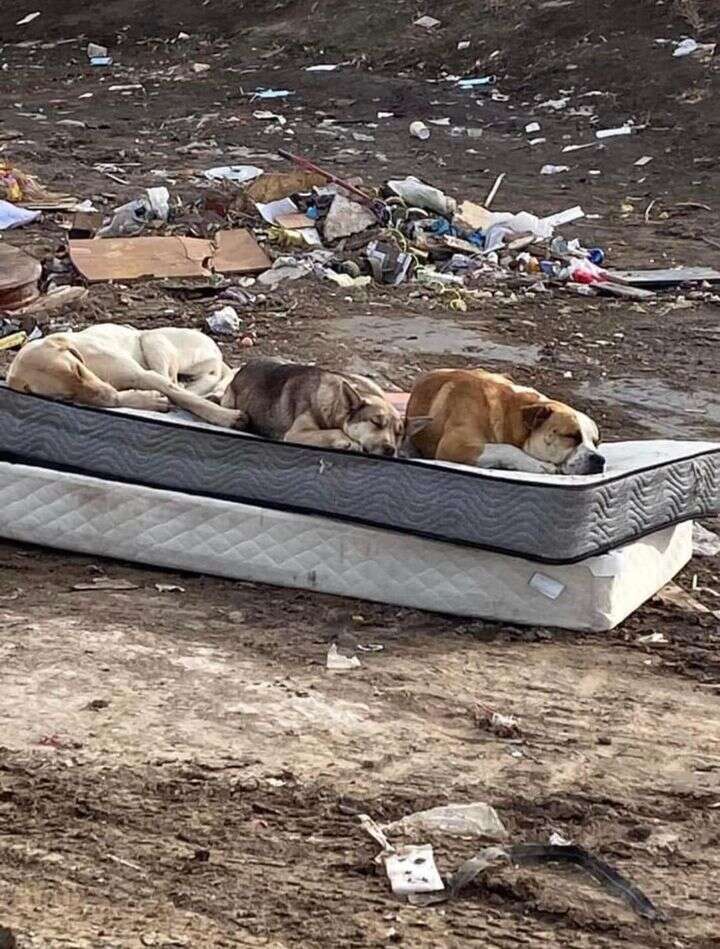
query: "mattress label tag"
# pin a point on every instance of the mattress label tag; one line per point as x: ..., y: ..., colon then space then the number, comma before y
x: 548, y: 586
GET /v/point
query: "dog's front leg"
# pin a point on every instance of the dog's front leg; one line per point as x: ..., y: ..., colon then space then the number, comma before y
x: 322, y: 438
x: 510, y: 458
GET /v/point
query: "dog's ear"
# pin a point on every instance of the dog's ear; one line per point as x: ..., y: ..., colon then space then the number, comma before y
x: 354, y: 399
x: 534, y: 415
x: 413, y: 426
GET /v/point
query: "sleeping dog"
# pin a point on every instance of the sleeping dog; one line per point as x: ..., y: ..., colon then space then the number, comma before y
x: 112, y: 365
x: 313, y: 406
x: 479, y: 418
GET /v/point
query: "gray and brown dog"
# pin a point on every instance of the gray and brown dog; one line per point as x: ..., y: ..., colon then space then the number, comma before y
x: 313, y: 406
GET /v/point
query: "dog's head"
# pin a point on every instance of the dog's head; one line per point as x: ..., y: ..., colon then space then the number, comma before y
x: 372, y: 422
x: 562, y: 436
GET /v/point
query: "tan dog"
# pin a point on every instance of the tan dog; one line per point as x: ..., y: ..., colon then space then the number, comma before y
x: 479, y: 418
x: 111, y: 365
x: 313, y: 406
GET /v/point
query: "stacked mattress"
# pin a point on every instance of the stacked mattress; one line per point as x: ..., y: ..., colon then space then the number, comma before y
x: 580, y: 552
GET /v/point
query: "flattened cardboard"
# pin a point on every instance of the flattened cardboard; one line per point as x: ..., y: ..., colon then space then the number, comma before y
x: 132, y: 258
x: 294, y: 222
x: 474, y: 217
x: 239, y: 252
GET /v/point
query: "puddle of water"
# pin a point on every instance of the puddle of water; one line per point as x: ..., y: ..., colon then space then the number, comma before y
x: 425, y: 334
x: 665, y: 410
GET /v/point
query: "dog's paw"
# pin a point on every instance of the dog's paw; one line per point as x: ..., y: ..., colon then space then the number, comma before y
x: 148, y: 400
x: 156, y: 402
x: 343, y: 443
x: 545, y: 467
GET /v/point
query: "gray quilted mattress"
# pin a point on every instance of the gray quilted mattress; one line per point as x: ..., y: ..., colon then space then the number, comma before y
x: 647, y: 485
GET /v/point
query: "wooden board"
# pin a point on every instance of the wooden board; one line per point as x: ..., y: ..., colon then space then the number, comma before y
x: 669, y: 277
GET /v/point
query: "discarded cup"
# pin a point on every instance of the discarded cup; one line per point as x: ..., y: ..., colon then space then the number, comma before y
x: 420, y: 130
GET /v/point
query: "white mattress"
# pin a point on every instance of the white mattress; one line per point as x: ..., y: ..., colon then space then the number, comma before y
x: 241, y: 541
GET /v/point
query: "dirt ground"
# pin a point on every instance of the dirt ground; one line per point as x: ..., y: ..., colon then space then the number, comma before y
x: 179, y: 768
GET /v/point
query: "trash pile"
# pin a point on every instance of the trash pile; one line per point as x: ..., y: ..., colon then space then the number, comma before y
x: 250, y: 228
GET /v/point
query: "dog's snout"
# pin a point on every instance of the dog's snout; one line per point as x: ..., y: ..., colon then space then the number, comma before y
x: 596, y: 463
x: 388, y: 450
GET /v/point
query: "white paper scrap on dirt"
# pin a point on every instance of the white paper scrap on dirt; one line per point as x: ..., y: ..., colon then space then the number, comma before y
x: 413, y: 870
x: 336, y: 662
x: 28, y: 19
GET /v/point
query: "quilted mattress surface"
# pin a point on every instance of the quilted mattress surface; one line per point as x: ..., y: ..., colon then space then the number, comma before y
x: 647, y: 485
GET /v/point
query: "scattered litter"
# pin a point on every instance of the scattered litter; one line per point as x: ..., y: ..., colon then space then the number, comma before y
x: 322, y: 67
x: 689, y: 46
x: 463, y: 44
x: 705, y: 542
x: 281, y: 184
x: 285, y: 268
x: 670, y: 277
x: 492, y: 194
x: 12, y: 216
x: 554, y: 169
x: 347, y: 281
x: 427, y: 22
x: 336, y: 662
x: 456, y: 820
x: 272, y: 94
x: 504, y: 726
x: 473, y: 82
x: 653, y: 639
x: 413, y: 870
x: 169, y: 588
x: 555, y: 104
x: 645, y: 160
x: 532, y: 127
x: 267, y: 116
x: 577, y: 148
x: 19, y: 187
x: 106, y: 583
x: 236, y: 173
x: 557, y: 840
x: 19, y: 277
x: 224, y: 322
x: 346, y: 217
x: 540, y: 855
x: 273, y: 210
x: 420, y: 195
x: 420, y: 130
x: 136, y: 257
x: 611, y: 133
x: 674, y: 595
x: 371, y: 647
x: 135, y: 216
x: 28, y: 19
x: 200, y: 68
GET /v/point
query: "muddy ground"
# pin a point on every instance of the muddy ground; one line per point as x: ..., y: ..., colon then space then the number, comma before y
x: 178, y: 768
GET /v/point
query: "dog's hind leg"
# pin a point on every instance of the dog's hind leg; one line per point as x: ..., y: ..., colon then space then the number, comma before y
x: 134, y: 377
x: 56, y: 369
x: 207, y: 374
